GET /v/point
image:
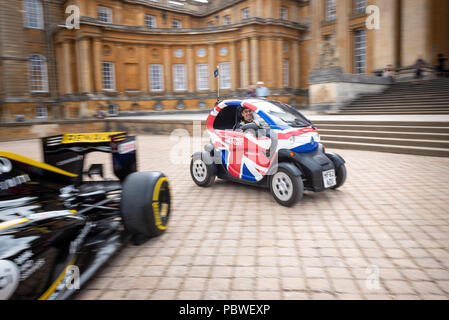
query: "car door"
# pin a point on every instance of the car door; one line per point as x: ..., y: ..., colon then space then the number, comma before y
x: 256, y: 158
x: 232, y: 148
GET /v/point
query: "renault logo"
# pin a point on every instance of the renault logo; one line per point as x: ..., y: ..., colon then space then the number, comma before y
x: 5, y: 165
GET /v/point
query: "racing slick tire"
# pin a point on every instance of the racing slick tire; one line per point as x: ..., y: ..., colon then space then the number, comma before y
x: 202, y: 170
x: 286, y: 187
x: 145, y: 204
x: 341, y: 176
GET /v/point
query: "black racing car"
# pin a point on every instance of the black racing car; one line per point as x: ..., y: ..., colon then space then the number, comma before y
x: 59, y: 224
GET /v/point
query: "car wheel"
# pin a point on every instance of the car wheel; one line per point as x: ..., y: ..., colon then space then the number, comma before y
x: 286, y: 188
x: 145, y: 204
x: 201, y: 172
x: 341, y: 176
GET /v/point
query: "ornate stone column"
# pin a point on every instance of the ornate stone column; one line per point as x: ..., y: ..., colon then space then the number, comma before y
x: 234, y: 65
x: 212, y: 67
x: 119, y: 68
x: 343, y: 36
x: 190, y: 70
x: 259, y: 8
x: 83, y: 65
x: 316, y: 9
x: 246, y: 62
x: 295, y: 64
x: 254, y: 60
x: 167, y: 69
x: 271, y: 81
x: 143, y: 66
x: 67, y: 68
x: 98, y: 77
x: 278, y: 65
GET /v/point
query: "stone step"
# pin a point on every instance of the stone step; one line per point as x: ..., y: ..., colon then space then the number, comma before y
x: 393, y: 108
x: 423, y: 151
x: 403, y: 100
x: 385, y: 112
x: 367, y: 113
x: 416, y: 91
x: 441, y: 128
x: 396, y: 95
x: 406, y: 105
x: 429, y: 84
x: 388, y: 141
x: 387, y: 134
x: 396, y: 108
x: 421, y: 86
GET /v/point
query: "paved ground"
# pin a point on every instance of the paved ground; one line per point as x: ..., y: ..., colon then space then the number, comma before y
x: 384, y: 235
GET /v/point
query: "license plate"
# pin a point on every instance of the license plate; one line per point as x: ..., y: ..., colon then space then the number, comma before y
x: 329, y: 178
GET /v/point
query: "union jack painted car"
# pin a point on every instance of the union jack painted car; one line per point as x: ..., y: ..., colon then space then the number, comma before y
x: 280, y: 150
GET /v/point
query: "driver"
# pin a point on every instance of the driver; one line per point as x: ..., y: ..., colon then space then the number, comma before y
x: 247, y: 117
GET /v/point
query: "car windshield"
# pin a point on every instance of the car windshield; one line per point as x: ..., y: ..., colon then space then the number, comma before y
x: 283, y: 114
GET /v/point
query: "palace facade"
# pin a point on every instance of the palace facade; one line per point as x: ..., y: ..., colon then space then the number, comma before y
x: 144, y: 55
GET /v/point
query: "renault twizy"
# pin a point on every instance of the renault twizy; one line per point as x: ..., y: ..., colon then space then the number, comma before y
x: 280, y: 149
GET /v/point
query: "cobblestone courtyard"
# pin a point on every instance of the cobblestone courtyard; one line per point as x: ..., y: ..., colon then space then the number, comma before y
x: 390, y: 222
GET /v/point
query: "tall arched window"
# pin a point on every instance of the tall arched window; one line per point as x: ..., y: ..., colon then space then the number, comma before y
x: 33, y: 14
x: 38, y: 74
x: 330, y: 10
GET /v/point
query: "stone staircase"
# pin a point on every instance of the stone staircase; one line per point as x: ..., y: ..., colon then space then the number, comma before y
x: 424, y: 97
x: 412, y: 137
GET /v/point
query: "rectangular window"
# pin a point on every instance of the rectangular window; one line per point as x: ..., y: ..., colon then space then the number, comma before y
x: 284, y: 13
x: 156, y: 77
x: 108, y: 71
x: 202, y: 77
x: 226, y: 20
x: 38, y: 74
x: 150, y: 21
x: 33, y: 14
x: 41, y: 112
x: 176, y: 24
x: 179, y: 77
x: 210, y: 24
x: 104, y: 14
x: 359, y: 6
x: 245, y: 13
x: 285, y: 74
x: 331, y: 10
x: 225, y: 75
x: 359, y: 51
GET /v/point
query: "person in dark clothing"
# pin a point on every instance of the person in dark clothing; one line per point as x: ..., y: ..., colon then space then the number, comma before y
x: 419, y: 65
x: 246, y: 118
x: 100, y: 114
x: 441, y: 65
x: 251, y: 93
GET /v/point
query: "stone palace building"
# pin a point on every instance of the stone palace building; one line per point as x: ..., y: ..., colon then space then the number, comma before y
x: 145, y: 55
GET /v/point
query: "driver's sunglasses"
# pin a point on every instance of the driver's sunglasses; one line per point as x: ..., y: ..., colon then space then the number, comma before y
x: 247, y: 111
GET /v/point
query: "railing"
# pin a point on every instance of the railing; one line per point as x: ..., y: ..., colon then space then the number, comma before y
x: 408, y: 73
